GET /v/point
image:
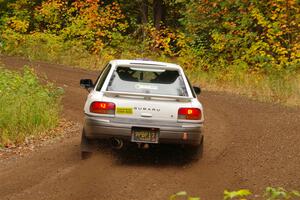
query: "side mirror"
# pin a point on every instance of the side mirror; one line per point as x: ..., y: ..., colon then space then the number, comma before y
x: 197, y: 90
x: 86, y: 84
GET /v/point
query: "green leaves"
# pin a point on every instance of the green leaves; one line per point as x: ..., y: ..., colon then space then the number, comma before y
x: 183, y: 194
x: 242, y: 194
x: 280, y: 193
x: 236, y: 194
x: 178, y: 194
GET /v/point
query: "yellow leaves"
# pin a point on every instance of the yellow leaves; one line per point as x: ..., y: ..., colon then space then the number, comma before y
x: 274, y: 16
x: 168, y: 41
x: 261, y: 20
x: 18, y: 25
x: 263, y: 34
x: 91, y: 21
x: 50, y: 9
x: 49, y: 14
x: 103, y: 22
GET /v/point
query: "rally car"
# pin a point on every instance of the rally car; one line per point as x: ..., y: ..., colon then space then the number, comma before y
x: 142, y: 102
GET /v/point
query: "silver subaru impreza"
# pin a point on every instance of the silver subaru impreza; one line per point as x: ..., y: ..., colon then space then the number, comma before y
x: 143, y: 102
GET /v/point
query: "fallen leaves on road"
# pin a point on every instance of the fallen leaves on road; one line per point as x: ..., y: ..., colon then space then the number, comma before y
x: 65, y: 129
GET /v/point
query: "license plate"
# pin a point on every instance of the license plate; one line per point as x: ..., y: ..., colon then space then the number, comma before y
x: 145, y: 135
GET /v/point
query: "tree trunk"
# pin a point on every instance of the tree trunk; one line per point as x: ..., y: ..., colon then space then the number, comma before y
x: 144, y: 11
x: 157, y: 13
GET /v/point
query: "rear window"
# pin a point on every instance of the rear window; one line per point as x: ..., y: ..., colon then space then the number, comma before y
x: 147, y: 80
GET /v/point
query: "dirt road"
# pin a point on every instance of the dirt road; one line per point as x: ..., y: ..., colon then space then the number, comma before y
x: 248, y: 144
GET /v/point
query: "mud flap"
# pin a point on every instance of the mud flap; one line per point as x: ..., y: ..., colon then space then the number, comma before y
x: 87, y: 146
x: 195, y: 152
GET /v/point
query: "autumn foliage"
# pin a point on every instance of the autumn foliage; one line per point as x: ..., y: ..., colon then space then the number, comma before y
x: 253, y: 35
x: 247, y: 42
x: 92, y: 22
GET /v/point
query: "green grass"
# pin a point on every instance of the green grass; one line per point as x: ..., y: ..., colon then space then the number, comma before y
x: 283, y: 89
x: 49, y: 47
x: 27, y: 107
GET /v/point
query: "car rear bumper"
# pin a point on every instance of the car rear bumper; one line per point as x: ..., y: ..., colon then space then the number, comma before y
x: 105, y: 128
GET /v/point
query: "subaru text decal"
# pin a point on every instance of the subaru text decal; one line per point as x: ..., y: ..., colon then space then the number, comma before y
x: 146, y: 109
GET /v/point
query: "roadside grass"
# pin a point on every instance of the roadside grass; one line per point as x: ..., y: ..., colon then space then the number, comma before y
x: 27, y: 107
x: 279, y: 88
x: 49, y: 47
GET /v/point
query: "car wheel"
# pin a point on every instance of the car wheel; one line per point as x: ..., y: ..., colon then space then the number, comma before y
x: 86, y: 147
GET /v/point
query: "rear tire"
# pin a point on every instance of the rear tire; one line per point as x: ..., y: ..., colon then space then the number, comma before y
x: 86, y: 147
x: 86, y: 155
x: 195, y: 152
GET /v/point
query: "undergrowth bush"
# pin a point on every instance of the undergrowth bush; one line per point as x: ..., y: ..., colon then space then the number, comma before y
x: 49, y: 47
x: 27, y: 107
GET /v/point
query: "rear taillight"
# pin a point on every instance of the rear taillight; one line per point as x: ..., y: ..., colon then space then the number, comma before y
x: 102, y: 107
x: 189, y: 113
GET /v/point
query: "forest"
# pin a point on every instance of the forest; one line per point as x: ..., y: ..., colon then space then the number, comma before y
x: 250, y: 47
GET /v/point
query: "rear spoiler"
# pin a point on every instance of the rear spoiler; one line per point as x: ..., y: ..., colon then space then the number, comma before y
x: 147, y: 96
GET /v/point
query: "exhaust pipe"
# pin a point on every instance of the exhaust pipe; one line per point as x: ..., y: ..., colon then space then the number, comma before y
x: 116, y: 143
x: 143, y: 145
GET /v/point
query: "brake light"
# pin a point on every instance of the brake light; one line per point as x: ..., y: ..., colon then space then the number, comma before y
x: 102, y: 107
x: 189, y: 113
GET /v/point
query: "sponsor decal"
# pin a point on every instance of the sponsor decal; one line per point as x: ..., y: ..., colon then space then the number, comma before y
x: 146, y: 87
x: 124, y: 110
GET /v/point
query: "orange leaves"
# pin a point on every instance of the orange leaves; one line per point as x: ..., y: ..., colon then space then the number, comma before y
x: 102, y: 21
x: 169, y: 42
